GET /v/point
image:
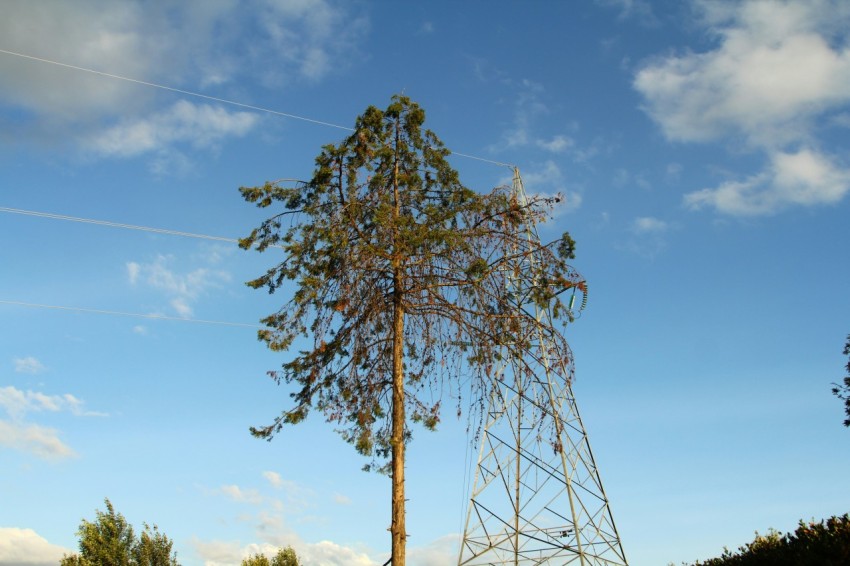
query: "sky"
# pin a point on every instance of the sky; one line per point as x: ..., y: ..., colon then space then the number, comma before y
x: 702, y: 151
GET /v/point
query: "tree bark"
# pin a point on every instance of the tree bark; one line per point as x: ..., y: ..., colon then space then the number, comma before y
x: 398, y: 531
x: 397, y: 528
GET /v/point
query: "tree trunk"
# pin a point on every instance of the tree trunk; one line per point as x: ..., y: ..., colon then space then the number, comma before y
x: 397, y: 528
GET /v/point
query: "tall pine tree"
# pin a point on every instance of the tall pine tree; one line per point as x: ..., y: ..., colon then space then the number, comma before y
x: 401, y: 281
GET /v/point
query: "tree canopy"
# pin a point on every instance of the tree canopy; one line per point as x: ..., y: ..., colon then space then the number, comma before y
x: 403, y: 284
x: 284, y: 557
x: 843, y: 391
x: 823, y: 543
x: 110, y: 539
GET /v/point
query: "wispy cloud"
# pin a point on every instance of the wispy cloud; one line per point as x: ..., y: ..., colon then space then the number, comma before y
x: 273, y: 530
x: 200, y: 125
x: 43, y: 442
x: 181, y: 289
x: 341, y: 499
x: 804, y: 178
x: 558, y: 144
x: 640, y: 10
x: 18, y: 433
x: 273, y: 478
x: 326, y: 553
x: 17, y: 403
x: 28, y: 365
x: 194, y: 46
x: 547, y: 181
x: 25, y: 547
x: 646, y: 236
x: 530, y: 129
x: 648, y: 225
x: 271, y: 521
x: 443, y: 550
x: 314, y: 37
x: 240, y: 495
x: 529, y: 109
x: 779, y: 71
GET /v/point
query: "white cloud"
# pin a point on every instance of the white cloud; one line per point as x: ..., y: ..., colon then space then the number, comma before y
x: 133, y: 270
x: 240, y: 495
x: 201, y: 125
x: 557, y: 144
x: 647, y: 236
x: 444, y: 550
x: 219, y: 553
x: 193, y: 46
x: 547, y: 181
x: 649, y: 225
x: 527, y: 109
x: 18, y: 403
x: 641, y: 10
x: 328, y: 553
x: 773, y: 71
x: 41, y: 441
x: 674, y: 171
x: 313, y: 36
x: 323, y: 553
x: 779, y: 70
x: 272, y: 529
x: 841, y: 120
x: 106, y: 35
x: 274, y: 479
x: 803, y: 178
x: 182, y: 307
x: 25, y: 547
x: 341, y: 499
x: 296, y: 497
x: 28, y: 365
x: 182, y: 289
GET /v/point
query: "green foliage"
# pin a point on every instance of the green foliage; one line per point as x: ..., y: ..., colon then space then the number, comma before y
x: 153, y: 549
x: 383, y: 227
x: 284, y: 557
x: 825, y: 543
x: 843, y: 391
x: 110, y: 540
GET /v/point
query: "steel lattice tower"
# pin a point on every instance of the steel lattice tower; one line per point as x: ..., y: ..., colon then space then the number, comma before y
x: 537, y: 497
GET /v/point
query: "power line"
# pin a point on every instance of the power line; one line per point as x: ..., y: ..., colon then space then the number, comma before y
x: 177, y: 90
x: 115, y: 224
x: 213, y: 98
x: 129, y: 227
x: 131, y: 314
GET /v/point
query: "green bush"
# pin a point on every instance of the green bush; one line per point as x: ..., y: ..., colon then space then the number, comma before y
x: 824, y: 543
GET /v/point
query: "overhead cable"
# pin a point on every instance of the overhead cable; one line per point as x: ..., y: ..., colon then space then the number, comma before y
x: 131, y: 314
x: 178, y: 90
x: 115, y: 224
x: 213, y: 98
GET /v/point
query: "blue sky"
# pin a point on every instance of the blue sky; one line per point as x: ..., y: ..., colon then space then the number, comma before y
x: 702, y: 148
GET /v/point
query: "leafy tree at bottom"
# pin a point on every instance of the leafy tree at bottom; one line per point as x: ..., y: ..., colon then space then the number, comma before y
x: 110, y: 541
x: 154, y: 549
x: 284, y: 557
x: 824, y: 543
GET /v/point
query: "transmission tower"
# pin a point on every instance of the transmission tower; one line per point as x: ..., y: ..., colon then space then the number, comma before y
x: 537, y: 497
